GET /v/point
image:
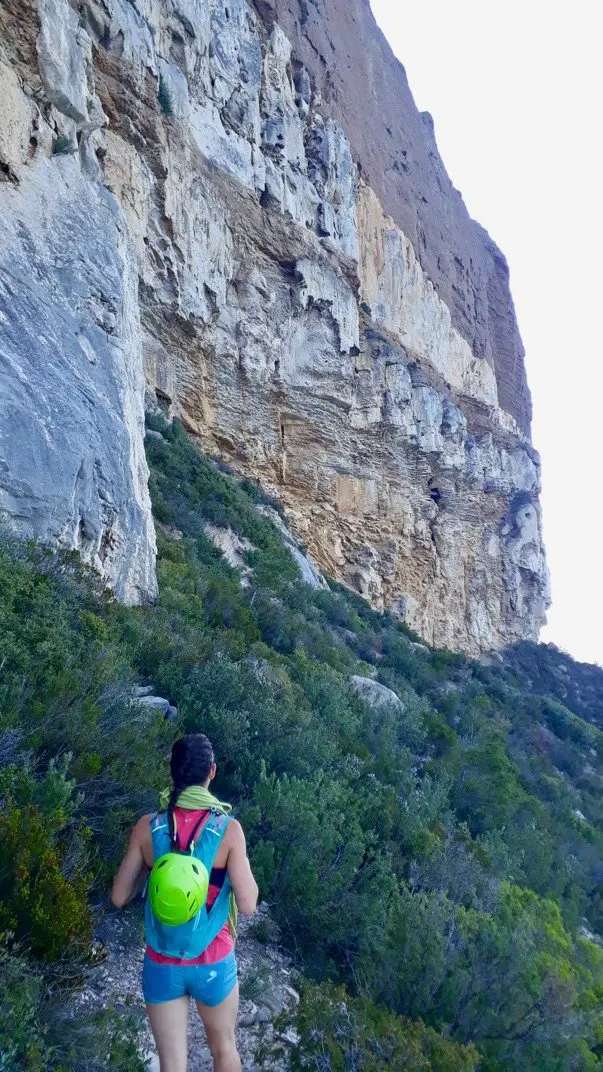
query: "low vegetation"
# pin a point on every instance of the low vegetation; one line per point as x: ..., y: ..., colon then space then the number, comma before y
x: 164, y: 97
x: 62, y: 146
x: 436, y: 871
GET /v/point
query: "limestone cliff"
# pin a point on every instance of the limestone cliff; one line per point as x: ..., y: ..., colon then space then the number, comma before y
x: 313, y: 301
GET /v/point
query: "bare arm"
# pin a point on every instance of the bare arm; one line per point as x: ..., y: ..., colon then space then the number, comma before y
x: 133, y: 870
x: 239, y: 872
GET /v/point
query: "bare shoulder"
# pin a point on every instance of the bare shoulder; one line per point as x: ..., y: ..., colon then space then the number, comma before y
x: 234, y: 833
x: 141, y: 838
x: 142, y: 830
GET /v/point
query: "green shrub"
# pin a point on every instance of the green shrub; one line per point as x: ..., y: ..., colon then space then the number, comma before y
x: 164, y: 96
x: 338, y: 1032
x: 254, y: 490
x: 37, y: 902
x: 62, y: 146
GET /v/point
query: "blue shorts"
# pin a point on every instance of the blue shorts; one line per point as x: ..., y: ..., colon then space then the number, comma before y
x: 208, y: 983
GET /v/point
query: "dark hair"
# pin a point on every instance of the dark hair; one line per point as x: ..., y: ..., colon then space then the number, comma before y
x: 191, y: 762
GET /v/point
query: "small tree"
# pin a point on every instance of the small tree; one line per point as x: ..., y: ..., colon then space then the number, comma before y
x: 164, y: 96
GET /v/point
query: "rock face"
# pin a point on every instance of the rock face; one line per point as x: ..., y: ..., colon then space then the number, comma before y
x: 376, y: 695
x: 364, y: 87
x: 72, y: 464
x: 313, y: 300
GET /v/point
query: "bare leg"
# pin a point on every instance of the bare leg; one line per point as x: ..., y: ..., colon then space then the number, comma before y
x: 169, y: 1023
x: 219, y: 1023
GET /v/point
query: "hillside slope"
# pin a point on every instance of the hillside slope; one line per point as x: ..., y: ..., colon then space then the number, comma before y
x: 427, y: 830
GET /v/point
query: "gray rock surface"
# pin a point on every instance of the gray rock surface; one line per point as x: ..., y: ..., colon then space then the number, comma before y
x: 65, y: 59
x: 375, y: 694
x: 421, y: 649
x: 158, y: 703
x: 72, y: 464
x: 234, y: 548
x: 365, y: 89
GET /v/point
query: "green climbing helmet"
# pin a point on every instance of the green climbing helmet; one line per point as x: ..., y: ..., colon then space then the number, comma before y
x: 178, y: 886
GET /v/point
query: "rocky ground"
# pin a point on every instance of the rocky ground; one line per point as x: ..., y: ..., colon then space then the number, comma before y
x: 267, y: 982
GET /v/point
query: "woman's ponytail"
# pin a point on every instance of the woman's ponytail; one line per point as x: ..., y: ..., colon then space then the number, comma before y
x: 191, y: 763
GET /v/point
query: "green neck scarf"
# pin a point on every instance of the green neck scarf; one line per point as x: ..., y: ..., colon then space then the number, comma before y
x: 197, y: 798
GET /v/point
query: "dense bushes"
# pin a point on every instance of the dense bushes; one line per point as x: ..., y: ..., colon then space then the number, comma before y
x: 438, y: 861
x: 37, y: 901
x: 338, y: 1032
x: 78, y: 762
x: 394, y: 848
x: 43, y: 879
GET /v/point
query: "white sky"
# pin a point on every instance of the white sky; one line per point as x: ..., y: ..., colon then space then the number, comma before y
x: 516, y: 92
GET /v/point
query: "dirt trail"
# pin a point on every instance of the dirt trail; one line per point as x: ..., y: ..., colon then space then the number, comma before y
x: 265, y: 976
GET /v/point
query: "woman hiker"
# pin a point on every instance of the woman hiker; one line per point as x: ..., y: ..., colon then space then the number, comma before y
x: 199, y: 876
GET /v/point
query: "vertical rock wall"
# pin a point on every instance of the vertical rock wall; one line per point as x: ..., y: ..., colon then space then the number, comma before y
x: 364, y: 87
x: 72, y: 465
x: 287, y: 308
